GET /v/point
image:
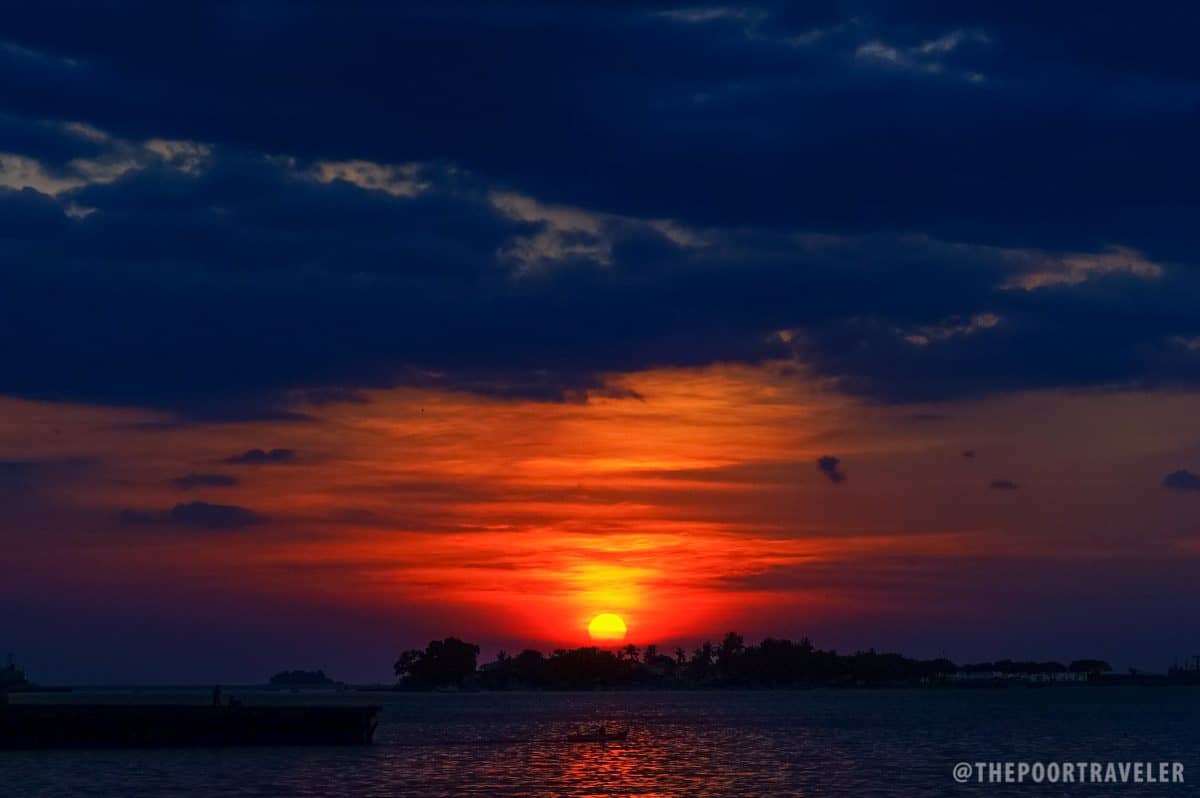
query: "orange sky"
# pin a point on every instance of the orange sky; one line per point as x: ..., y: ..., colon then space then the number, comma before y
x: 693, y: 508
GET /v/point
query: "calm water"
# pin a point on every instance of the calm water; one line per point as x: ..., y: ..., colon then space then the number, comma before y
x: 811, y: 743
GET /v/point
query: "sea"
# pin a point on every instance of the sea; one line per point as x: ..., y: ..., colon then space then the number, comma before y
x: 818, y: 742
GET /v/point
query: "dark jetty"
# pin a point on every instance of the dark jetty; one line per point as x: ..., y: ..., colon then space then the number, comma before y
x: 166, y: 726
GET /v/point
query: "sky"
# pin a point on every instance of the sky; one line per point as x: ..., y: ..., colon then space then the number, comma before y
x: 329, y: 329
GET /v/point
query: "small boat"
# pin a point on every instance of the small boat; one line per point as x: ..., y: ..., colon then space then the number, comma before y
x: 598, y: 735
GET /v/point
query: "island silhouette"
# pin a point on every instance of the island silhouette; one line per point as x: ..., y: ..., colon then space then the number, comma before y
x: 452, y: 663
x: 301, y: 678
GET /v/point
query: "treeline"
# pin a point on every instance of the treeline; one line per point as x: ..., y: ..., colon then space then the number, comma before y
x: 452, y: 663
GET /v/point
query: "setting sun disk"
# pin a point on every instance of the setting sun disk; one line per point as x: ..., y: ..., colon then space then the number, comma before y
x: 607, y: 626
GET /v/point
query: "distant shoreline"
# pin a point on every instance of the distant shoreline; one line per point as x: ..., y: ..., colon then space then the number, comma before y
x: 452, y: 664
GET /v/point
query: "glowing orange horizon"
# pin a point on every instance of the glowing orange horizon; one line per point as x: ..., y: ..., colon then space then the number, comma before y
x: 683, y: 512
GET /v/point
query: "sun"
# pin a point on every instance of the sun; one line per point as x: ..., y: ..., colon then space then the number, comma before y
x: 607, y: 626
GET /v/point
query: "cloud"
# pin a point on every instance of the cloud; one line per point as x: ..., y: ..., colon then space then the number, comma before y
x: 716, y: 79
x: 51, y: 143
x: 106, y: 159
x: 968, y: 454
x: 260, y: 457
x: 829, y: 466
x: 615, y: 327
x: 402, y: 181
x: 1003, y: 484
x: 1181, y: 480
x: 1073, y: 269
x: 214, y: 516
x: 26, y: 476
x: 189, y: 481
x: 198, y: 515
x: 401, y: 302
x: 281, y: 253
x: 926, y: 56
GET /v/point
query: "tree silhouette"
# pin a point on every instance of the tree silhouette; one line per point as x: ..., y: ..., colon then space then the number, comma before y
x: 729, y: 656
x: 443, y: 663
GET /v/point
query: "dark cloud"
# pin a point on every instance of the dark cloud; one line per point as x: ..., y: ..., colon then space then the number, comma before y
x: 1182, y: 480
x: 816, y: 127
x: 830, y: 467
x: 1002, y: 484
x: 189, y: 481
x: 26, y: 476
x: 198, y: 515
x: 261, y: 457
x: 869, y: 177
x: 214, y: 516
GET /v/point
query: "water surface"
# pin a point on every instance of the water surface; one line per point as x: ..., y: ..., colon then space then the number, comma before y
x: 728, y: 743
